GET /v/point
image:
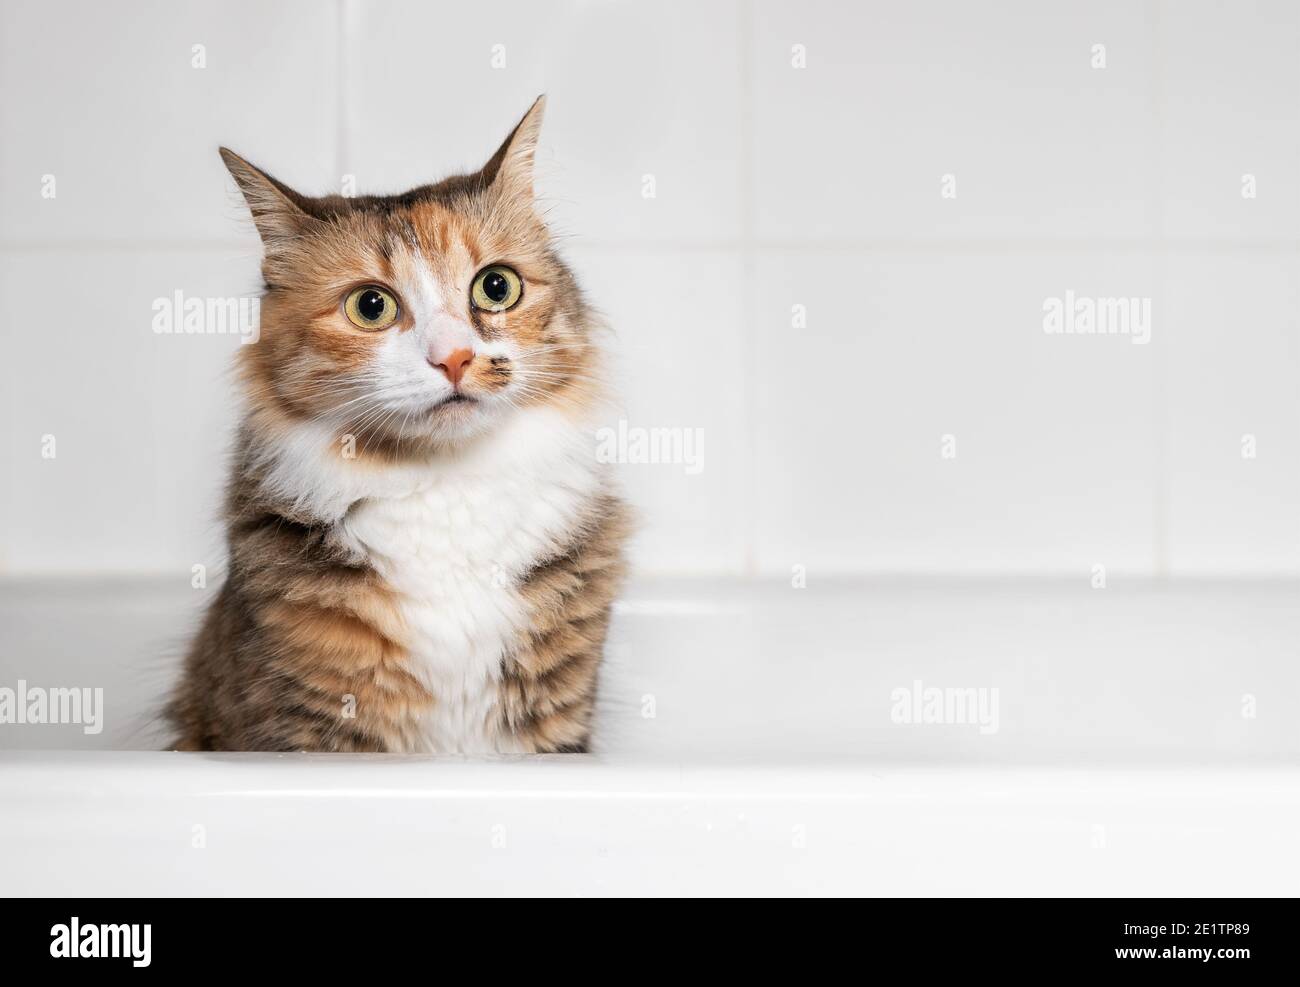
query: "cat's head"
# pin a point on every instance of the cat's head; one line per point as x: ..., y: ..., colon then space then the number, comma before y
x: 418, y: 319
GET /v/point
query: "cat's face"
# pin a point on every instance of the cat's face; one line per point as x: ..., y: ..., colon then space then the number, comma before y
x: 414, y: 319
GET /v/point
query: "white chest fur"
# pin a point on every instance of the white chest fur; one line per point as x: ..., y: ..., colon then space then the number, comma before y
x: 454, y: 539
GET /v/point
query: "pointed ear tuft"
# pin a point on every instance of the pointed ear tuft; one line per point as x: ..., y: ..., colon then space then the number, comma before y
x: 511, y: 168
x: 278, y: 211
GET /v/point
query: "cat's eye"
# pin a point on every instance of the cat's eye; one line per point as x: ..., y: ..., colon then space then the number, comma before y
x: 371, y: 308
x: 496, y: 289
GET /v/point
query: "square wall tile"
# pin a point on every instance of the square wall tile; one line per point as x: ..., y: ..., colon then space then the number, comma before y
x: 677, y: 365
x: 892, y: 97
x: 106, y: 99
x: 1230, y: 108
x: 140, y: 421
x: 917, y: 416
x: 634, y: 90
x: 1234, y: 413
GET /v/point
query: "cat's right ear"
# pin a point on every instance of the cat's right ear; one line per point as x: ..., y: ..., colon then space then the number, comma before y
x: 279, y: 212
x: 511, y: 168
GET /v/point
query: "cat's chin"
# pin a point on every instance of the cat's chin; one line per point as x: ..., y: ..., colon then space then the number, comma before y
x: 456, y: 411
x: 457, y: 418
x: 453, y: 401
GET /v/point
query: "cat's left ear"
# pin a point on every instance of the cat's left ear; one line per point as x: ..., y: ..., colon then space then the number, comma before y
x: 511, y: 168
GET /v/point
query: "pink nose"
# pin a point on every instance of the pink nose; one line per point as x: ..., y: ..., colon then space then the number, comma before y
x: 455, y: 364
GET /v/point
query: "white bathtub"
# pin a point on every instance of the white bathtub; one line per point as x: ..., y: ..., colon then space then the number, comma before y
x: 1146, y: 743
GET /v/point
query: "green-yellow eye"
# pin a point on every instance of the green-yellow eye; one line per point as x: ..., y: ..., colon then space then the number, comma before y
x: 496, y: 289
x: 371, y: 308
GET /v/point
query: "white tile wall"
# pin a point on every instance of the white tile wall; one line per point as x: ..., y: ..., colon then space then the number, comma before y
x: 1233, y: 373
x: 1054, y: 437
x: 773, y: 186
x: 104, y: 98
x: 140, y: 421
x: 1000, y: 96
x: 670, y: 346
x: 633, y: 90
x: 1231, y: 108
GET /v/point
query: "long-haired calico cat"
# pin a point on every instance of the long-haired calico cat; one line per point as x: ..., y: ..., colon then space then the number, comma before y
x: 423, y: 548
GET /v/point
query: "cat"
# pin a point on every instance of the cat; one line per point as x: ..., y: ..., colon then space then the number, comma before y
x: 423, y: 548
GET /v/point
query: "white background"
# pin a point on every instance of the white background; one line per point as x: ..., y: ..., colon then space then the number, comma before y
x: 775, y: 186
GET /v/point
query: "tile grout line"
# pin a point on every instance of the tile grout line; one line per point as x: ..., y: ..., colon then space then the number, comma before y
x: 748, y: 253
x: 342, y: 106
x: 755, y: 245
x: 1160, y: 384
